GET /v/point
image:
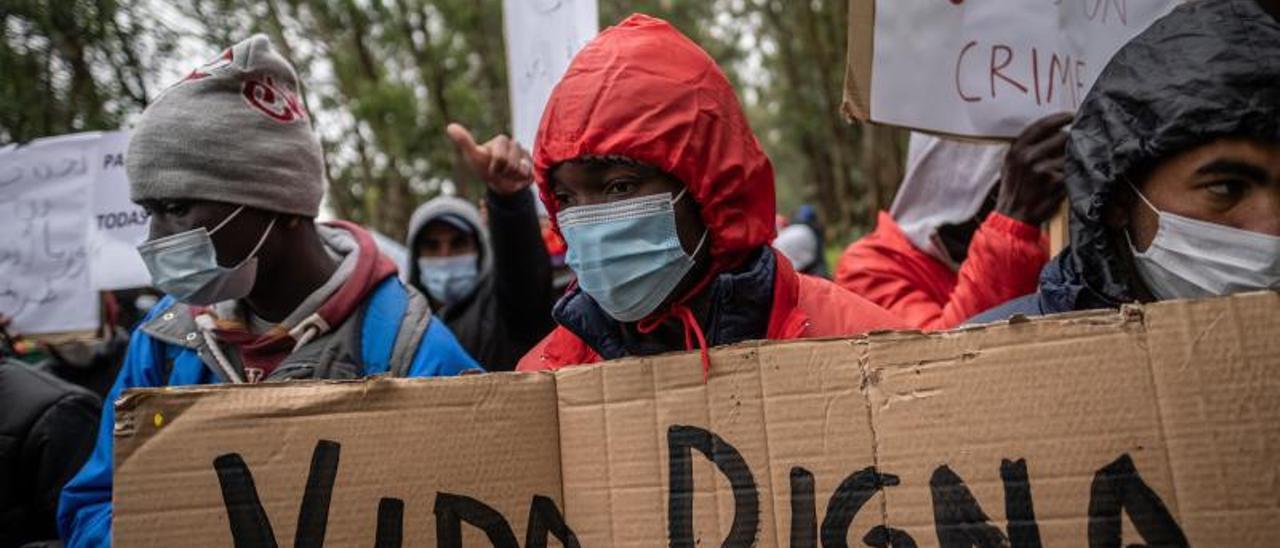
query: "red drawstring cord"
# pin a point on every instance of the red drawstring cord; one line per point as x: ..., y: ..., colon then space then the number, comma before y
x: 691, y: 327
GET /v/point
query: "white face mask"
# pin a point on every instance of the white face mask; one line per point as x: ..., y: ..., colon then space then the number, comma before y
x: 1191, y: 259
x: 185, y: 265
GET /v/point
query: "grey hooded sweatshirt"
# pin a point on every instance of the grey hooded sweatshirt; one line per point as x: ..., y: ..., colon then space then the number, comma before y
x: 509, y: 310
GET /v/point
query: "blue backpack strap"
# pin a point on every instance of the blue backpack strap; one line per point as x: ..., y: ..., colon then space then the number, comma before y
x: 378, y: 331
x: 394, y: 322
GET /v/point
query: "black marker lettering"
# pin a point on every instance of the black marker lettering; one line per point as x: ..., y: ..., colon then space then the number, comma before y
x: 249, y: 524
x: 248, y: 521
x: 313, y: 515
x: 451, y: 510
x: 544, y: 519
x: 1018, y: 509
x: 850, y: 496
x: 390, y: 532
x: 957, y: 518
x: 804, y: 518
x: 888, y: 537
x: 681, y: 441
x: 1117, y: 486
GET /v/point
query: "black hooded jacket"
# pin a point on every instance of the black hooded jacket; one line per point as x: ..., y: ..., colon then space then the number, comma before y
x: 1210, y: 69
x: 47, y: 429
x: 509, y: 310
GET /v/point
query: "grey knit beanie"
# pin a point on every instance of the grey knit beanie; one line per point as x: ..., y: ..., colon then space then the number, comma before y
x: 235, y: 131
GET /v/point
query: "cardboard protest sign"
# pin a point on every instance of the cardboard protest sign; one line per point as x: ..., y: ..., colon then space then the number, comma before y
x: 338, y: 464
x: 542, y: 36
x: 118, y: 224
x: 1154, y: 425
x: 982, y: 68
x: 45, y: 204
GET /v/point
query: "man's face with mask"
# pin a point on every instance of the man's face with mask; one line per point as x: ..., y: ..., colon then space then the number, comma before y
x: 1231, y: 183
x: 233, y: 242
x: 200, y: 251
x: 448, y: 262
x: 628, y: 264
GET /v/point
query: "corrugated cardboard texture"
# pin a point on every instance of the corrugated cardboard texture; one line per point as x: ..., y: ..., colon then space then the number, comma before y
x: 490, y: 437
x: 857, y: 71
x: 1152, y: 425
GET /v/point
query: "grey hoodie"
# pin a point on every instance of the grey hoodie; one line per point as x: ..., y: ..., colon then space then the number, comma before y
x: 509, y: 310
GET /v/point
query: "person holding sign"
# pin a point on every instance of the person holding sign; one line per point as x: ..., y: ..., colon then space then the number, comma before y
x: 489, y: 282
x: 229, y: 169
x: 647, y: 164
x: 963, y: 234
x: 1173, y: 167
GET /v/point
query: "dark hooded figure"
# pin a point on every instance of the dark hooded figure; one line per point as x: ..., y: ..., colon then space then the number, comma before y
x: 489, y: 281
x: 1173, y: 168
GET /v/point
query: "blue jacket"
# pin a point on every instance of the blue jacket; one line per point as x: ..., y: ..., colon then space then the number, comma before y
x: 1062, y: 289
x: 84, y: 512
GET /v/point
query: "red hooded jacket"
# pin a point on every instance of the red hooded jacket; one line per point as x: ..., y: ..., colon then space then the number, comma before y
x: 1004, y: 263
x: 644, y: 91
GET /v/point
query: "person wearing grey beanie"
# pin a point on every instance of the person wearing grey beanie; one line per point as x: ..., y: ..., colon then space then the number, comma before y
x: 228, y: 166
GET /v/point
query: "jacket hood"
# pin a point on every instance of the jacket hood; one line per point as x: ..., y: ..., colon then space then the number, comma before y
x: 1209, y: 69
x: 438, y: 207
x: 946, y: 183
x: 646, y: 92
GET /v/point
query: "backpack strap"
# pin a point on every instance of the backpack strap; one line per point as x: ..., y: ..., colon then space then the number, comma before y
x: 392, y: 350
x: 417, y: 318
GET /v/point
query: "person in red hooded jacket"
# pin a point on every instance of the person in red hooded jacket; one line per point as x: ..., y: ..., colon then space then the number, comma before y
x: 645, y: 162
x: 963, y: 233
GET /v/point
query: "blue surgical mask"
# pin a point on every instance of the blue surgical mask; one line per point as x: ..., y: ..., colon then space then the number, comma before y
x: 449, y: 279
x: 185, y: 265
x: 627, y: 254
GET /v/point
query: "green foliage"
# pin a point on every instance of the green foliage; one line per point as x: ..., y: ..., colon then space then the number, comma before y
x: 384, y: 78
x: 73, y: 65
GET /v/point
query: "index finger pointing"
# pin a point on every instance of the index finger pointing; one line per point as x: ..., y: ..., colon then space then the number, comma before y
x: 462, y: 138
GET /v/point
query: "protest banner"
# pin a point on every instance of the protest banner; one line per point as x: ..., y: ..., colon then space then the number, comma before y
x: 542, y: 36
x: 72, y: 230
x: 118, y: 224
x: 982, y: 68
x: 1153, y: 425
x: 45, y: 205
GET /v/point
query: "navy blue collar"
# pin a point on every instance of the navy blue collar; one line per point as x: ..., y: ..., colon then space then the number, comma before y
x: 738, y: 309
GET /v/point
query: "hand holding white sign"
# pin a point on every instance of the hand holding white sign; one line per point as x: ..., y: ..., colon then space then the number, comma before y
x: 45, y: 191
x: 982, y: 68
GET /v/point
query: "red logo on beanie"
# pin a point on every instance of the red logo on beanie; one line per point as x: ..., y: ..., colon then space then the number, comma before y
x: 278, y: 102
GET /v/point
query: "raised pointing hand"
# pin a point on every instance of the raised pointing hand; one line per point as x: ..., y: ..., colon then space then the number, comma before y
x: 502, y: 163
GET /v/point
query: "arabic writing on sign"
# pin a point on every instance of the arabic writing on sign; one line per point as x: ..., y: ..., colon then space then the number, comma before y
x: 45, y: 198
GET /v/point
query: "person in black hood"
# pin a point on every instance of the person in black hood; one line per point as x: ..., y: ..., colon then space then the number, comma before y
x: 490, y: 284
x: 47, y: 429
x: 1173, y: 168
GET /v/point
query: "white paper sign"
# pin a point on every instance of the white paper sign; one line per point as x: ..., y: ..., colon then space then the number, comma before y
x: 987, y: 68
x: 45, y: 200
x: 118, y: 225
x: 542, y: 37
